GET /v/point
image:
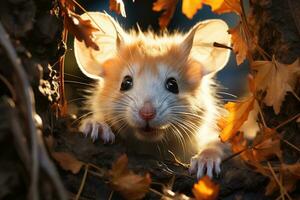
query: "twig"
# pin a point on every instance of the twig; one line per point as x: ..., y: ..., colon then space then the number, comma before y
x: 62, y: 99
x: 111, y: 195
x: 27, y: 99
x: 278, y: 182
x: 292, y: 145
x: 287, y: 121
x: 82, y: 182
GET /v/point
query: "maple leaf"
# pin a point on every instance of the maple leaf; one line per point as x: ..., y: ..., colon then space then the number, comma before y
x: 225, y: 6
x: 80, y: 28
x: 239, y: 43
x: 118, y: 7
x: 67, y: 161
x: 205, y: 189
x: 129, y: 184
x: 169, y: 7
x: 276, y: 79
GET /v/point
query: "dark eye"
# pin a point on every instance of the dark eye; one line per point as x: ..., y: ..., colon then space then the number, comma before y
x: 127, y: 83
x: 171, y: 85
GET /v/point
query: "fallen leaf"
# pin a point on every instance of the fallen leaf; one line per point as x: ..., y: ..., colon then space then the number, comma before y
x: 129, y: 184
x: 67, y: 161
x: 118, y: 7
x: 239, y: 43
x: 276, y: 79
x: 205, y: 189
x: 169, y: 7
x: 80, y: 28
x: 225, y: 6
x: 190, y: 7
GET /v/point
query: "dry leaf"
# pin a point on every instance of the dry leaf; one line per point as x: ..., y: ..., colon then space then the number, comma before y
x: 169, y: 7
x: 80, y: 28
x: 190, y: 7
x: 129, y: 184
x: 225, y: 7
x: 239, y: 43
x: 67, y: 161
x: 205, y: 189
x: 276, y: 79
x: 118, y: 7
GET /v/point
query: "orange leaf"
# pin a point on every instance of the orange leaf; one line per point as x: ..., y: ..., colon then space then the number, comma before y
x: 80, y: 28
x: 190, y: 7
x: 129, y: 184
x: 239, y: 43
x: 169, y: 7
x: 205, y: 189
x: 225, y: 6
x: 118, y: 7
x: 238, y: 114
x: 67, y: 161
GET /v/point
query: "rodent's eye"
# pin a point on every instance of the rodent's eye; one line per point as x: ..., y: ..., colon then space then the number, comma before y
x: 171, y: 85
x: 127, y: 83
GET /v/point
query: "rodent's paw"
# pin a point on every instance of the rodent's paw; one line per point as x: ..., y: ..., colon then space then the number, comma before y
x: 209, y: 161
x: 97, y: 129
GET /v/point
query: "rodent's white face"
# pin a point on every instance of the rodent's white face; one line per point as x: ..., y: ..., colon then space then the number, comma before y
x: 151, y: 82
x: 154, y: 100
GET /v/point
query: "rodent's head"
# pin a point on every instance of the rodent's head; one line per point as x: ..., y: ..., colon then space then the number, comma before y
x: 151, y: 83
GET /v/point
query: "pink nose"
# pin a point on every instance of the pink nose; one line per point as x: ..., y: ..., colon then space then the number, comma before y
x: 147, y: 112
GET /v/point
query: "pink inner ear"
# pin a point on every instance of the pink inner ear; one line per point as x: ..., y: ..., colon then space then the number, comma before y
x: 194, y: 72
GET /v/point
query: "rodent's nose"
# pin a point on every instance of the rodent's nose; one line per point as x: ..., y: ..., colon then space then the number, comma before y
x: 147, y: 112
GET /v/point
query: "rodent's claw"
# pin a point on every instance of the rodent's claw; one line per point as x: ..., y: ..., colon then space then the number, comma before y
x: 207, y: 163
x: 96, y: 129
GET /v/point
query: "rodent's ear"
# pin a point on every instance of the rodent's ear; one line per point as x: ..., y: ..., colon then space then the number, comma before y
x: 199, y: 44
x: 109, y: 38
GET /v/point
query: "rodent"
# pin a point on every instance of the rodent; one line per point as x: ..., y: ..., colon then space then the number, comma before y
x: 152, y: 86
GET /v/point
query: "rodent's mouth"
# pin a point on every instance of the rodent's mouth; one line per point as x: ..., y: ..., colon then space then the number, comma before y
x: 150, y: 133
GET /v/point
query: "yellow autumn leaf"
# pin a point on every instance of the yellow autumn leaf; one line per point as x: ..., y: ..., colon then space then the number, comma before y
x: 225, y: 6
x: 190, y: 7
x: 237, y: 114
